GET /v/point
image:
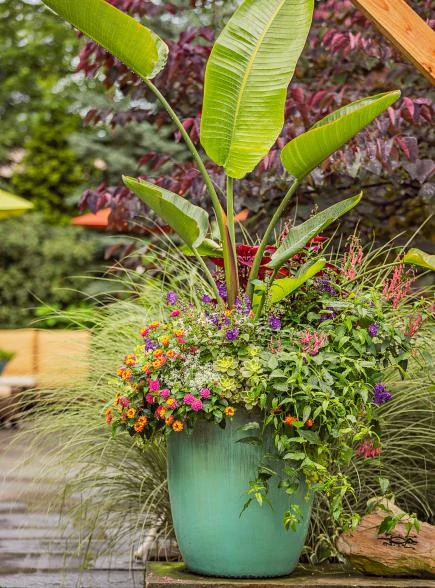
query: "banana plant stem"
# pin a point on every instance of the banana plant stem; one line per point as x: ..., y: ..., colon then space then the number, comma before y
x: 230, y: 260
x: 274, y: 221
x: 230, y: 210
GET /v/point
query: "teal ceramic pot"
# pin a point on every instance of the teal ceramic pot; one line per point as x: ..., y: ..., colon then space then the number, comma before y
x: 209, y: 474
x: 3, y: 364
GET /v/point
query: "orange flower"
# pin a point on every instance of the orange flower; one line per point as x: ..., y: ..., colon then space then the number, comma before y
x: 178, y: 426
x: 169, y: 421
x: 228, y: 313
x: 229, y: 411
x: 130, y: 360
x: 158, y: 353
x: 143, y: 420
x: 109, y: 418
x: 154, y: 325
x: 138, y: 427
x: 108, y: 411
x: 310, y: 422
x: 131, y: 412
x: 160, y: 412
x: 159, y: 363
x: 126, y: 374
x: 171, y: 353
x: 146, y: 368
x: 165, y: 341
x: 290, y: 420
x: 171, y: 403
x: 179, y: 333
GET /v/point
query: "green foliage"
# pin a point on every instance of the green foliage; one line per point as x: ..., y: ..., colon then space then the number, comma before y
x: 6, y: 355
x: 188, y: 220
x: 249, y: 69
x: 420, y: 258
x: 38, y: 263
x: 50, y: 170
x: 308, y: 150
x: 36, y: 51
x: 135, y: 45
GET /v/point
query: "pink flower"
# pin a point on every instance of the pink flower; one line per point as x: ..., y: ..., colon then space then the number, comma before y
x: 175, y: 313
x: 413, y: 325
x: 367, y: 449
x: 124, y: 401
x: 312, y: 342
x: 188, y: 399
x: 196, y: 404
x: 150, y: 399
x: 205, y: 393
x: 165, y: 393
x: 154, y: 385
x: 353, y: 258
x: 398, y: 286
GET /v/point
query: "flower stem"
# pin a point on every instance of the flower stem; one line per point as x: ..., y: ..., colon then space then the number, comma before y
x: 208, y: 275
x: 259, y: 255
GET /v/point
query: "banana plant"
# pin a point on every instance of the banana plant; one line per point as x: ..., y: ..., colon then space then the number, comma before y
x: 246, y: 81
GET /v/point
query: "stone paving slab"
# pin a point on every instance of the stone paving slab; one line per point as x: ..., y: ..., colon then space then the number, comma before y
x: 162, y: 575
x: 88, y: 579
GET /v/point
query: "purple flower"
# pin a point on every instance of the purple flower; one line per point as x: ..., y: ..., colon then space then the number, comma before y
x: 381, y: 394
x: 222, y: 289
x: 324, y: 285
x: 331, y: 314
x: 171, y: 298
x: 274, y: 323
x: 196, y: 405
x: 373, y: 330
x: 205, y: 393
x: 243, y: 306
x: 188, y: 399
x: 214, y: 320
x: 232, y: 334
x: 150, y: 345
x: 206, y: 299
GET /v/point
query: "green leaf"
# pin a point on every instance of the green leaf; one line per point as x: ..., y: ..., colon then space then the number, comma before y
x: 384, y: 484
x: 285, y: 286
x: 295, y: 455
x: 208, y: 248
x: 308, y: 150
x: 188, y: 220
x: 420, y: 258
x: 299, y: 236
x: 124, y: 37
x: 246, y: 80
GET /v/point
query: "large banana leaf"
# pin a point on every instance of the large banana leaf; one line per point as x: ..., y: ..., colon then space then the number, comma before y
x: 208, y: 248
x: 308, y: 150
x: 281, y: 288
x: 420, y: 258
x: 123, y: 36
x: 299, y: 236
x: 188, y: 220
x: 250, y: 67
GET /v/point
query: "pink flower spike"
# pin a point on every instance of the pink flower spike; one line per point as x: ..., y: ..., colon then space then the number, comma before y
x: 165, y: 393
x: 154, y: 385
x: 188, y: 399
x: 205, y: 393
x: 196, y: 405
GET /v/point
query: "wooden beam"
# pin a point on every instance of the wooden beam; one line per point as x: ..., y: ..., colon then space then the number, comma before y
x: 405, y: 29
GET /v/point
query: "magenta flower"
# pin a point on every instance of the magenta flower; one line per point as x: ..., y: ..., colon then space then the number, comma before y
x: 150, y: 399
x: 188, y: 399
x: 165, y: 393
x: 124, y: 401
x: 154, y: 385
x: 175, y: 313
x: 205, y: 393
x: 196, y: 404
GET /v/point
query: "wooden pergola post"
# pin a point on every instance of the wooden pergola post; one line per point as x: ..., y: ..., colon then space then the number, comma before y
x: 405, y: 29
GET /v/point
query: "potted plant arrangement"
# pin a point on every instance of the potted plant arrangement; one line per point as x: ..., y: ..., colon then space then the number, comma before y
x: 5, y: 358
x: 270, y: 383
